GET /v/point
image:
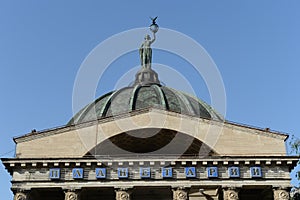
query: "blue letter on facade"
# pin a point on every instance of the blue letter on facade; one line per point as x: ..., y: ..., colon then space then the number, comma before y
x: 145, y: 172
x: 77, y: 173
x: 123, y: 172
x: 100, y: 172
x: 255, y: 172
x: 190, y: 172
x: 167, y: 172
x: 212, y: 172
x: 54, y: 173
x: 234, y: 172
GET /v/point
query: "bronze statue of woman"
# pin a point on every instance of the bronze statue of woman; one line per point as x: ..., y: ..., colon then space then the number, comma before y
x: 146, y: 52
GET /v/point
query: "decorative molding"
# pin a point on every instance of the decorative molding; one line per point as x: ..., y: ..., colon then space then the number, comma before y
x: 173, y: 160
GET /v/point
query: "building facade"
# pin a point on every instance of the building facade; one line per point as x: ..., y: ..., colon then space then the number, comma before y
x: 148, y: 141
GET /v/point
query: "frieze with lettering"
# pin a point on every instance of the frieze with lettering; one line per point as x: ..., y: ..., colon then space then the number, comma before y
x: 123, y: 172
x: 100, y: 173
x: 255, y: 172
x: 190, y: 172
x: 77, y: 173
x: 152, y: 173
x: 54, y: 173
x: 145, y: 172
x: 234, y: 172
x: 212, y: 172
x: 167, y: 172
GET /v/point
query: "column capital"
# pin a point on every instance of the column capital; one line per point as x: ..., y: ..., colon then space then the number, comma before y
x: 21, y: 195
x: 123, y: 194
x: 180, y: 193
x: 72, y: 194
x: 231, y: 193
x: 281, y: 193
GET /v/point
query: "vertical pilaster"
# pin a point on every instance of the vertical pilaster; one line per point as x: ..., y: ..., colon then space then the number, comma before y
x: 231, y: 193
x: 21, y: 195
x: 72, y: 195
x: 123, y: 194
x: 180, y: 194
x: 281, y: 194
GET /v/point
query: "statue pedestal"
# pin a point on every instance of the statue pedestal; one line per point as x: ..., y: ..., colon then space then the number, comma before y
x: 146, y: 76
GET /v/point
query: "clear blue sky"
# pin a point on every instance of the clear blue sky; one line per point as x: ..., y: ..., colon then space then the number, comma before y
x: 255, y: 44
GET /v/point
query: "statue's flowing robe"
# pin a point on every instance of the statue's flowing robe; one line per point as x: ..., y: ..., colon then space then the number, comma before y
x: 145, y: 56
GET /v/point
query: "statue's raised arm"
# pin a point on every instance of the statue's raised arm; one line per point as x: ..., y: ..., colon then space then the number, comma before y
x: 153, y: 39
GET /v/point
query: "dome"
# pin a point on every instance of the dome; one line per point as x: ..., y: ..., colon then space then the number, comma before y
x: 142, y: 96
x: 146, y: 92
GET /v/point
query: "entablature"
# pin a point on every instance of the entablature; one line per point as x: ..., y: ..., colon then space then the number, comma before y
x: 31, y: 170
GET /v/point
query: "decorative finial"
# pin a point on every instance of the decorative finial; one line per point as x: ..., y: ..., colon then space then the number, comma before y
x: 154, y: 27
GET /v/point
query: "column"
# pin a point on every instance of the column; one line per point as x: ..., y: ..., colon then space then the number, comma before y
x: 281, y: 194
x: 21, y: 195
x: 231, y: 193
x: 122, y: 194
x: 72, y: 195
x: 180, y: 194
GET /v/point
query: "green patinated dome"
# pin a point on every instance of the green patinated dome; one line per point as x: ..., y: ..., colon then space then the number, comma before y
x: 141, y: 96
x: 146, y: 92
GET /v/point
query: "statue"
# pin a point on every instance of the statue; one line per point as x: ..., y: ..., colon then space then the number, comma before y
x: 146, y: 75
x: 145, y: 49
